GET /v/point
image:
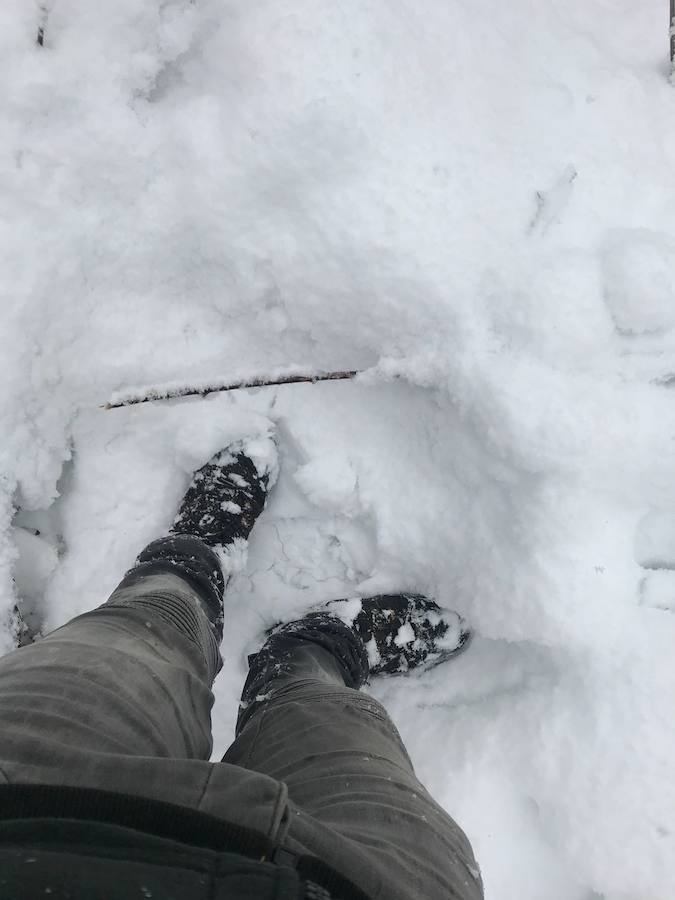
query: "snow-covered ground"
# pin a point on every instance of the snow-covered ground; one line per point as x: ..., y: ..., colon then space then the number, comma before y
x: 477, y: 201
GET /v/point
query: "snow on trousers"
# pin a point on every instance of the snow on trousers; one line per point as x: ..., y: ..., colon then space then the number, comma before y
x: 119, y: 699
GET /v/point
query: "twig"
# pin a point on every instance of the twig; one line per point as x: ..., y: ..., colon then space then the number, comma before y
x: 172, y: 393
x: 672, y: 38
x: 44, y: 14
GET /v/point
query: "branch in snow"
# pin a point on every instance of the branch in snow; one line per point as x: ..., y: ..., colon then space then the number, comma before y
x: 672, y: 39
x: 172, y: 392
x: 44, y: 15
x: 45, y: 8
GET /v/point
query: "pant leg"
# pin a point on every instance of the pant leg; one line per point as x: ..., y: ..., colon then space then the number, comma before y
x: 131, y: 677
x: 357, y: 802
x: 119, y: 699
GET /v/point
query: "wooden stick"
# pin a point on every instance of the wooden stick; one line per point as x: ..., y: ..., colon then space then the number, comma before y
x: 44, y: 15
x: 170, y: 393
x: 672, y: 37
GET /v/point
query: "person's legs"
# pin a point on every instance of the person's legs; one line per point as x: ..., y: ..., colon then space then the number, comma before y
x: 119, y: 699
x: 358, y: 803
x: 133, y: 676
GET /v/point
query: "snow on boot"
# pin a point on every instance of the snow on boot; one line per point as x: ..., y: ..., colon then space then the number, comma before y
x: 228, y: 493
x: 403, y: 631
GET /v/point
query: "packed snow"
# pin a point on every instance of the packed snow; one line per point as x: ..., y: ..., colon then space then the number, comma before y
x: 474, y: 204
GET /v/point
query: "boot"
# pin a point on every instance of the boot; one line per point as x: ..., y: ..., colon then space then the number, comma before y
x: 403, y: 631
x: 218, y: 511
x: 385, y: 634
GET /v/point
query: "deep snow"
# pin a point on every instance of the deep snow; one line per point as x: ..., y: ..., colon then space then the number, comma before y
x: 475, y: 202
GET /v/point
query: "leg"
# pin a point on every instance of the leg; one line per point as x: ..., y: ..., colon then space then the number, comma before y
x: 131, y: 677
x: 360, y: 806
x: 134, y: 676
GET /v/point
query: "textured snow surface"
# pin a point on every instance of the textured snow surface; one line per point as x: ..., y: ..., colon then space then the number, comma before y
x: 476, y: 200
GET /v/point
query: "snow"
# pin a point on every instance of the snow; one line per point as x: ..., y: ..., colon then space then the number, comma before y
x: 347, y: 610
x: 405, y: 635
x: 374, y: 658
x: 640, y: 263
x: 658, y: 590
x: 474, y: 203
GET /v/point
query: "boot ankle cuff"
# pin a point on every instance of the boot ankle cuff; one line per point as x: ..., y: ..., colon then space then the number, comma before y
x: 331, y: 634
x: 189, y: 558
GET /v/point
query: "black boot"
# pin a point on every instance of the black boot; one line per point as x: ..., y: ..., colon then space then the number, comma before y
x: 294, y: 650
x: 403, y: 631
x: 383, y: 634
x: 219, y: 509
x: 226, y: 496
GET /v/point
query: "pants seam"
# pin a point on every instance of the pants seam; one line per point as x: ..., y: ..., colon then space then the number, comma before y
x: 258, y: 720
x: 141, y: 604
x: 366, y: 704
x: 207, y: 781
